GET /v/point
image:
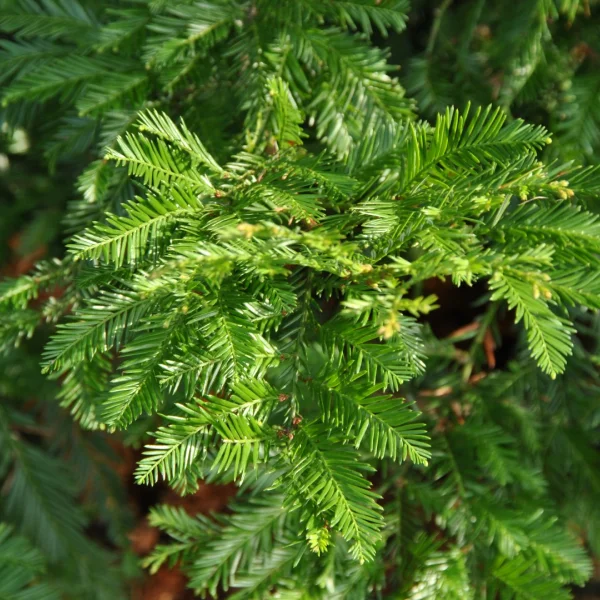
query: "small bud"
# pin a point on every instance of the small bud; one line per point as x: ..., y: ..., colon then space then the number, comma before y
x: 283, y: 397
x: 248, y: 229
x: 390, y: 327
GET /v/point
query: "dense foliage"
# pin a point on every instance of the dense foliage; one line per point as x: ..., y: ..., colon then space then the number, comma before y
x: 374, y: 311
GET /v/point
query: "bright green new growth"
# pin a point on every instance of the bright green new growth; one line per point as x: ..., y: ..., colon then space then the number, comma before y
x: 258, y: 304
